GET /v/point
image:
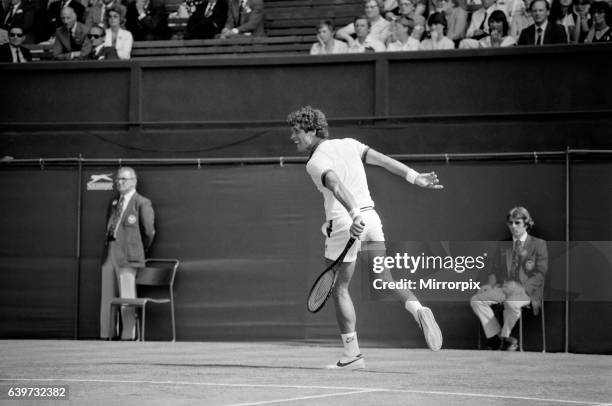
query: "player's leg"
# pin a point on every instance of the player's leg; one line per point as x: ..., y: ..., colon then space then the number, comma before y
x: 374, y: 245
x: 337, y: 236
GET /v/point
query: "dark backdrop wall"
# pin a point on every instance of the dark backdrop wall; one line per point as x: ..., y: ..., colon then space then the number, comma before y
x: 249, y: 242
x: 234, y: 226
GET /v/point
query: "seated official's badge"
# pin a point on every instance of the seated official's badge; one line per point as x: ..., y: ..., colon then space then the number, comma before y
x: 131, y: 219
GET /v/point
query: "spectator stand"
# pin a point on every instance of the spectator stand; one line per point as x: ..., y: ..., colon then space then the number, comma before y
x: 290, y: 29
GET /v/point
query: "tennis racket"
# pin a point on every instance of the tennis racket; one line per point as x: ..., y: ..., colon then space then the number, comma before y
x: 323, y: 286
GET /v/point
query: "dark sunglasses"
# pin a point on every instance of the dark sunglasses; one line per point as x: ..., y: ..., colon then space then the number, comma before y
x: 15, y: 34
x: 96, y: 36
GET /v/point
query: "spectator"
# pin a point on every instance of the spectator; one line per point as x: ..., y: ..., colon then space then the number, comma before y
x: 390, y: 10
x: 244, y: 17
x: 71, y: 40
x: 414, y: 10
x: 379, y: 27
x: 457, y: 19
x: 207, y: 20
x: 54, y: 20
x: 542, y: 31
x: 96, y: 14
x: 437, y: 34
x: 600, y: 31
x: 23, y: 14
x: 14, y: 51
x: 521, y: 268
x: 402, y: 36
x: 519, y: 19
x: 583, y: 19
x: 147, y: 20
x: 479, y: 27
x: 99, y: 50
x: 561, y: 12
x: 130, y: 229
x: 326, y: 43
x: 116, y: 36
x: 364, y: 41
x: 499, y: 36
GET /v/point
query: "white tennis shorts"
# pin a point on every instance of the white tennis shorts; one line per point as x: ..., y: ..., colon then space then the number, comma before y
x: 337, y: 234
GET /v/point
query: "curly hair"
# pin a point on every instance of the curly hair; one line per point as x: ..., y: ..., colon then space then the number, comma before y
x: 309, y: 119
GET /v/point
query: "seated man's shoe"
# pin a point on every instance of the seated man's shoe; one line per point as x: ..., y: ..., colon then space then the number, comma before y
x: 356, y: 362
x: 431, y: 331
x: 494, y: 343
x: 510, y: 344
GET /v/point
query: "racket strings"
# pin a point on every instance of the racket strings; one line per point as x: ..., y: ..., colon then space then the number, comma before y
x: 321, y: 290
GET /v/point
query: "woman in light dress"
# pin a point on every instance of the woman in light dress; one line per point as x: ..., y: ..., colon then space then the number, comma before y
x: 326, y: 43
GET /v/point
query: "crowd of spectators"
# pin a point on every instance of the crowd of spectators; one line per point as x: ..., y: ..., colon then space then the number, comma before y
x: 84, y: 29
x: 410, y: 25
x: 385, y: 25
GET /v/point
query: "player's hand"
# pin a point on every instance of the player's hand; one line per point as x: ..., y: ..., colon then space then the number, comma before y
x: 428, y: 180
x: 357, y: 227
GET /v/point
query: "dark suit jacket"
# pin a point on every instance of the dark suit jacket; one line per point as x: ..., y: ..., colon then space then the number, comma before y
x: 533, y: 265
x: 54, y: 10
x: 553, y: 34
x: 135, y: 232
x: 151, y: 28
x: 62, y: 46
x: 7, y: 56
x: 27, y: 17
x: 201, y: 27
x: 104, y: 53
x: 248, y: 19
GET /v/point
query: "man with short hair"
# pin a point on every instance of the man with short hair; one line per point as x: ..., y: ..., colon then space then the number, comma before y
x: 337, y: 170
x: 542, y: 31
x: 55, y: 10
x: 516, y: 279
x: 14, y: 51
x: 130, y: 230
x: 364, y: 42
x: 99, y: 51
x: 71, y: 40
x: 379, y: 27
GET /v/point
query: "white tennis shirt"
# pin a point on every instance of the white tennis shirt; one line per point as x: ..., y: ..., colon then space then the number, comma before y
x: 345, y: 157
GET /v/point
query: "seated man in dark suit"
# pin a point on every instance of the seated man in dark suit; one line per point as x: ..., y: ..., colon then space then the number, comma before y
x: 14, y: 51
x: 71, y: 40
x: 98, y: 50
x: 244, y: 17
x: 542, y: 31
x: 147, y: 20
x: 522, y: 267
x: 54, y: 20
x: 207, y: 20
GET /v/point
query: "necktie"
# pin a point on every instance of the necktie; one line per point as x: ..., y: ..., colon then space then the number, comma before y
x: 539, y: 36
x: 17, y: 55
x: 209, y: 8
x: 114, y: 220
x: 516, y: 255
x: 484, y: 21
x: 73, y: 44
x: 9, y: 17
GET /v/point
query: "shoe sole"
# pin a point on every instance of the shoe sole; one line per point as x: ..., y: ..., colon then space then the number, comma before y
x: 356, y: 364
x: 431, y: 330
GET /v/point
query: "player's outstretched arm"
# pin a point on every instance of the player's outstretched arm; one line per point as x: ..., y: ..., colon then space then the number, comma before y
x: 428, y: 180
x: 346, y: 199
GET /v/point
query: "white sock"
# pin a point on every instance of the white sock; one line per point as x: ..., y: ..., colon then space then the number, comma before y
x: 413, y: 306
x: 351, y: 346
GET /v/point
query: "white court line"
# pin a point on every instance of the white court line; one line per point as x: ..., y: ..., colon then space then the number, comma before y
x: 329, y: 395
x: 353, y: 390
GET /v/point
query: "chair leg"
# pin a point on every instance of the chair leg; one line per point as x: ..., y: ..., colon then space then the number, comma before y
x: 111, y: 327
x: 143, y: 323
x: 173, y: 322
x: 543, y: 328
x: 521, y: 332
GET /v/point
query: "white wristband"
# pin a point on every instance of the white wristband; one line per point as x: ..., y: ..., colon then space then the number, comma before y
x: 411, y: 175
x: 354, y: 213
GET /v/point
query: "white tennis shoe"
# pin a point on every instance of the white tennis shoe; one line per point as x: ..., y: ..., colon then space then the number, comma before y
x: 431, y: 331
x: 357, y: 362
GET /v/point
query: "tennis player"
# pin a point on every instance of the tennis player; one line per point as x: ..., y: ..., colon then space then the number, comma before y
x: 337, y: 169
